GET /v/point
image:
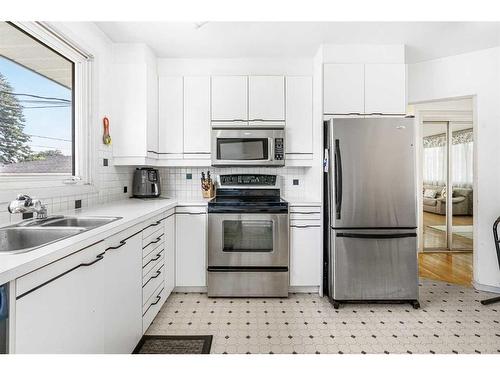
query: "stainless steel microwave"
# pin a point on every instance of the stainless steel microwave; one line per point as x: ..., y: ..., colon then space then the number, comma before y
x: 247, y: 145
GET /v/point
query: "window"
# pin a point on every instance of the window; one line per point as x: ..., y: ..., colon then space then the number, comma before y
x: 36, y: 106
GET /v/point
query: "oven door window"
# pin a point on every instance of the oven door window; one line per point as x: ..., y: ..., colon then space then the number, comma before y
x: 255, y: 236
x: 242, y: 148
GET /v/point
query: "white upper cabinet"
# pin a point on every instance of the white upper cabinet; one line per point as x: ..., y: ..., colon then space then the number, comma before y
x: 229, y: 98
x: 385, y: 88
x: 343, y: 88
x: 197, y: 115
x: 299, y: 115
x: 171, y: 113
x: 266, y: 98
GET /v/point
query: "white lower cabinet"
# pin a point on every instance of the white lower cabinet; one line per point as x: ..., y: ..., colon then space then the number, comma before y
x: 191, y: 248
x: 169, y: 254
x: 122, y: 293
x: 305, y: 254
x: 59, y: 307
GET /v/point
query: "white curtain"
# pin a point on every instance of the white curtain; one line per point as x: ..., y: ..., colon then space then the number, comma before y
x: 461, y: 169
x: 434, y: 165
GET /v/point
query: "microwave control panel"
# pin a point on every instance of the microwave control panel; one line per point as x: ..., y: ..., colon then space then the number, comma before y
x: 279, y: 152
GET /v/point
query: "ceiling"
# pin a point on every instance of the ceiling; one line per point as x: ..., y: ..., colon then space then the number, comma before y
x: 424, y: 40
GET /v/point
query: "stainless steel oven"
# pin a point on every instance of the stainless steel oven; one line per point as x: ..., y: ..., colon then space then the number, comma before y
x: 262, y: 145
x: 248, y: 225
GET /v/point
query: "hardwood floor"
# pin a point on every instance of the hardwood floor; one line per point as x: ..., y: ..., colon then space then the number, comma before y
x: 435, y: 238
x: 455, y: 268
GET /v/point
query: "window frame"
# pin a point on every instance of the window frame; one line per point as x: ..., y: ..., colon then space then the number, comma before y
x: 81, y: 115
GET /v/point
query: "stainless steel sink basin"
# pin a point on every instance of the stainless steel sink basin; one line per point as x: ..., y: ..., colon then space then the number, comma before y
x: 23, y: 239
x: 29, y: 235
x: 79, y: 222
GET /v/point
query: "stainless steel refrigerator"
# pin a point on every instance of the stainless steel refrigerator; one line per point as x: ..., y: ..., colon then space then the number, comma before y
x: 370, y: 195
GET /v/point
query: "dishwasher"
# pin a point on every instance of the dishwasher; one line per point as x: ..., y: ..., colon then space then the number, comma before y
x: 4, y: 315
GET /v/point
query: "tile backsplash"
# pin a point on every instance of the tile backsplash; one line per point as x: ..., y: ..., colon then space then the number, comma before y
x: 184, y: 183
x: 109, y: 184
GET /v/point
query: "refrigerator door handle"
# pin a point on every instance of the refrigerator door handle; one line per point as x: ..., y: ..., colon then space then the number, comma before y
x: 338, y: 180
x: 377, y: 235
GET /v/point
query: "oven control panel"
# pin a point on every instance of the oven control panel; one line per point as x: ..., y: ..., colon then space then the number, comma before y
x: 247, y: 179
x: 279, y: 152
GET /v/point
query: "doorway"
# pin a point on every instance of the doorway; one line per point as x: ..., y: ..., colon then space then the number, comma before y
x: 446, y: 134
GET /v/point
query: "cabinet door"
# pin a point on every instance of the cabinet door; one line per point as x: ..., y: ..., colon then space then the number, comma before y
x: 152, y: 112
x: 343, y: 88
x: 169, y: 255
x: 299, y: 113
x: 385, y: 88
x: 129, y: 110
x: 196, y: 115
x: 190, y: 249
x: 229, y: 98
x: 305, y: 255
x: 59, y: 307
x: 123, y: 294
x: 171, y: 121
x: 266, y: 98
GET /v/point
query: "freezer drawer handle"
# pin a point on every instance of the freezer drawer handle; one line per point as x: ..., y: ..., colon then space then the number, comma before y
x: 338, y: 179
x: 375, y: 235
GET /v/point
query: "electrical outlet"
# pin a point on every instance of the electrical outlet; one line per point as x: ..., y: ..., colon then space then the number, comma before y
x: 78, y: 203
x: 189, y: 176
x: 295, y: 181
x: 125, y: 188
x: 105, y: 162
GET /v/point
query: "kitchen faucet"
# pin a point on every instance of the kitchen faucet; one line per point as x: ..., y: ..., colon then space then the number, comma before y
x: 24, y: 203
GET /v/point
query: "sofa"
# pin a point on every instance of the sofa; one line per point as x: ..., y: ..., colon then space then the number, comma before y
x: 461, y: 200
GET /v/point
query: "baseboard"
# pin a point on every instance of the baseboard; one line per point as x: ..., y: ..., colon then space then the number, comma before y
x: 190, y: 289
x: 486, y: 288
x: 203, y: 289
x: 303, y: 289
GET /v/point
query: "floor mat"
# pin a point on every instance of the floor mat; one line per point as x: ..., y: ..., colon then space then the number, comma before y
x: 174, y: 345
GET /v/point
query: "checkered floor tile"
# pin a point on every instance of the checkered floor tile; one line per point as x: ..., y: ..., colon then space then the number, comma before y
x: 450, y: 320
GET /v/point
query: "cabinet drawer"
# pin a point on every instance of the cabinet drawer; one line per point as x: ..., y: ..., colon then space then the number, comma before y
x: 152, y: 306
x: 305, y: 216
x: 305, y: 209
x: 151, y: 281
x: 305, y: 223
x: 152, y: 225
x: 152, y: 243
x: 152, y: 259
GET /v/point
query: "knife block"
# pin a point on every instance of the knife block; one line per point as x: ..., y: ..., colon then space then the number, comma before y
x: 210, y: 193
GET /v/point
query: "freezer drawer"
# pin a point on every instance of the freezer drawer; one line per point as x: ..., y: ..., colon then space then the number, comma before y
x: 374, y: 265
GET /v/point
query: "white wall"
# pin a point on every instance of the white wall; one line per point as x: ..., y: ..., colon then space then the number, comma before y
x: 107, y: 182
x: 473, y: 74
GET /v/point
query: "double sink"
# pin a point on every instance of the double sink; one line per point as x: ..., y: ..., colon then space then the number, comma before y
x: 30, y: 235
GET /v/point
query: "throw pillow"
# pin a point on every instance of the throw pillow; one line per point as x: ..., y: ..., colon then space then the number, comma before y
x: 430, y: 193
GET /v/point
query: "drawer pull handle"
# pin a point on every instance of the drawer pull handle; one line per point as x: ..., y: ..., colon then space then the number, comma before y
x: 154, y: 241
x: 98, y: 258
x: 158, y: 273
x: 158, y: 299
x: 305, y: 226
x: 122, y: 242
x: 158, y: 256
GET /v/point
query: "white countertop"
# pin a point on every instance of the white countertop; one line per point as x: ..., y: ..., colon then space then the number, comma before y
x: 132, y: 211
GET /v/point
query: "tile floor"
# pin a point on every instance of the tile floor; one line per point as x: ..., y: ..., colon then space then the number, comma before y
x: 451, y: 320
